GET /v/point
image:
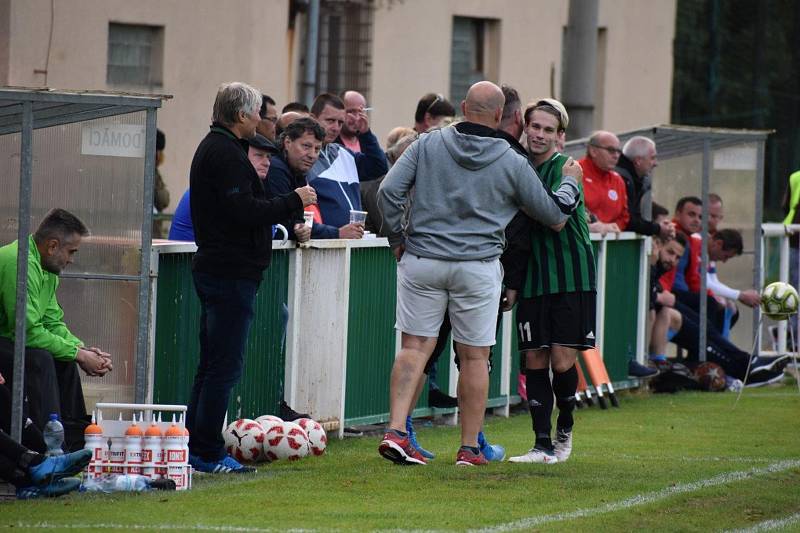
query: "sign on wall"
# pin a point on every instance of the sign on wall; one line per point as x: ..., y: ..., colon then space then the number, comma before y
x: 117, y: 140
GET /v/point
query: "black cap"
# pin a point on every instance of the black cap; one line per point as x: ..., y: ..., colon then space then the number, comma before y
x: 260, y: 142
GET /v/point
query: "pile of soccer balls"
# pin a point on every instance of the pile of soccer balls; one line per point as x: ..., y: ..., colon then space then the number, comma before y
x: 779, y: 300
x: 268, y: 438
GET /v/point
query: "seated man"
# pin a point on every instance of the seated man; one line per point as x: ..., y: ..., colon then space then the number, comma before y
x: 338, y: 171
x: 673, y: 321
x: 53, y: 354
x: 259, y: 152
x: 604, y: 189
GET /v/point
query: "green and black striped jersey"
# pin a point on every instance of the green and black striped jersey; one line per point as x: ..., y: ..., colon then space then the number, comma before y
x: 560, y: 261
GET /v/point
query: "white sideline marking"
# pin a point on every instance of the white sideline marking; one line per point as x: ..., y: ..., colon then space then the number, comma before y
x: 641, y: 499
x: 681, y: 459
x: 769, y: 525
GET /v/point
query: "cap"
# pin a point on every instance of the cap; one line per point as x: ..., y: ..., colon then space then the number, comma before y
x: 260, y: 142
x: 558, y: 106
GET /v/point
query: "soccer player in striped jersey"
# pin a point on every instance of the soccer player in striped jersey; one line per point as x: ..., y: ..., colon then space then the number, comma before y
x: 556, y: 313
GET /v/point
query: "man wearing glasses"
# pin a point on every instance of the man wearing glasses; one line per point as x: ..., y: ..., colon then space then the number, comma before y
x: 605, y: 193
x: 269, y: 117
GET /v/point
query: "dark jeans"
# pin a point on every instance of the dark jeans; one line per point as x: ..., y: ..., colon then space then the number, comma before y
x: 714, y: 311
x: 50, y: 387
x: 226, y: 312
x: 718, y: 349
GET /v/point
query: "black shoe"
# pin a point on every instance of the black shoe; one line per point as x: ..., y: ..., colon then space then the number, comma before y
x: 761, y: 364
x: 288, y: 414
x: 437, y: 398
x: 636, y: 370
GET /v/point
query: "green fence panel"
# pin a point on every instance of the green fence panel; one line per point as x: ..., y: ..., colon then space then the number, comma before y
x: 370, y: 334
x: 177, y: 347
x: 622, y: 297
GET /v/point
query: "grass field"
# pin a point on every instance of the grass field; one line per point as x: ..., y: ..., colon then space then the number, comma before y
x: 686, y: 462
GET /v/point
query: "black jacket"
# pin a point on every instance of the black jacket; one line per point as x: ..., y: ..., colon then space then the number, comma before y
x: 231, y: 214
x: 636, y: 189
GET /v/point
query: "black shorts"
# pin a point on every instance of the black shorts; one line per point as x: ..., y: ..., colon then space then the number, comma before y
x: 565, y: 319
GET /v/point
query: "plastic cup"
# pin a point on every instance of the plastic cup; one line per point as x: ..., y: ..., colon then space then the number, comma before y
x: 358, y: 217
x: 308, y: 216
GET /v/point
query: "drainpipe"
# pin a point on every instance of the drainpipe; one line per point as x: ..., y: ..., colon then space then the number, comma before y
x: 312, y: 43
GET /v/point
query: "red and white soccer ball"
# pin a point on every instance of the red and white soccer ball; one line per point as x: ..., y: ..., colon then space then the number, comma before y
x: 317, y: 438
x: 273, y: 436
x: 291, y: 445
x: 264, y: 420
x: 244, y: 440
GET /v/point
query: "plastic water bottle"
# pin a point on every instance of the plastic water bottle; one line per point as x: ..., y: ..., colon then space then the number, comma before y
x: 53, y: 436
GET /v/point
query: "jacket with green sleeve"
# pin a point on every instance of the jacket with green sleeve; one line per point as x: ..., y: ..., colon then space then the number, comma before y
x: 45, y: 328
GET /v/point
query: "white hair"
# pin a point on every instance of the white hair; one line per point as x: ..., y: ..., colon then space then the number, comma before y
x: 233, y: 98
x: 638, y: 147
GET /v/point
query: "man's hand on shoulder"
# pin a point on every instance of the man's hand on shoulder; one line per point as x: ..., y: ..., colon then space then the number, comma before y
x: 572, y: 168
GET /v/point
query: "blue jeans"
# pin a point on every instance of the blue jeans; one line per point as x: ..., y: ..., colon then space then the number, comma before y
x: 226, y: 312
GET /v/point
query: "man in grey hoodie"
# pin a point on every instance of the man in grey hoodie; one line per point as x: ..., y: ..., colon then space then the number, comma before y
x: 468, y: 186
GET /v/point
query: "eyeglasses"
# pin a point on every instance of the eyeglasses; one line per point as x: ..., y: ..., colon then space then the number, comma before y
x: 610, y: 149
x: 274, y: 120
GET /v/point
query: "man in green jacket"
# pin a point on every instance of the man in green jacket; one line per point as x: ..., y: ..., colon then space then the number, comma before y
x: 53, y: 354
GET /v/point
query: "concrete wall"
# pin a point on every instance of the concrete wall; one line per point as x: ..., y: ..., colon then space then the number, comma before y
x: 207, y: 42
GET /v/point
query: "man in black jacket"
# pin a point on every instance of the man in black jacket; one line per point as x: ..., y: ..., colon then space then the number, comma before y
x: 637, y: 161
x: 232, y: 218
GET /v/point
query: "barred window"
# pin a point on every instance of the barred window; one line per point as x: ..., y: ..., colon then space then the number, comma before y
x: 474, y: 54
x: 135, y: 55
x: 344, y: 60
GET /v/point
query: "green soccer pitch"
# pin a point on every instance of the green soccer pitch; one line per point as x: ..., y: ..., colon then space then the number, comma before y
x: 688, y: 462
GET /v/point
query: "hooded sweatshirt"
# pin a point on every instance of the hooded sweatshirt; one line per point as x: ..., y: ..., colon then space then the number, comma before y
x: 468, y: 186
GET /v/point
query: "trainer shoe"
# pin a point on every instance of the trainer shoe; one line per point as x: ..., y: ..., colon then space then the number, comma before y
x: 562, y: 446
x: 768, y: 364
x: 58, y: 487
x: 764, y: 378
x: 59, y: 466
x: 492, y: 452
x: 399, y: 450
x: 437, y: 398
x: 536, y: 455
x: 467, y: 457
x: 288, y: 414
x: 226, y: 465
x: 636, y: 370
x: 412, y: 437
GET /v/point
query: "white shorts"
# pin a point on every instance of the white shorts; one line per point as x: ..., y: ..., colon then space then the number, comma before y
x: 468, y: 290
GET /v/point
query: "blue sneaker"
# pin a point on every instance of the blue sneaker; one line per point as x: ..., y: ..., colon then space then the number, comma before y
x: 59, y: 466
x: 412, y: 438
x: 492, y: 452
x: 226, y: 465
x: 55, y: 488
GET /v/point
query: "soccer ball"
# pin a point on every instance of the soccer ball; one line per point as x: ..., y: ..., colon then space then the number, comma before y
x: 265, y: 420
x: 273, y: 436
x: 779, y: 300
x: 289, y: 443
x: 317, y: 439
x: 244, y: 440
x: 711, y: 376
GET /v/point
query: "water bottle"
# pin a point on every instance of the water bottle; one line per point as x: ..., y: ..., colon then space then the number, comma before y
x: 53, y: 436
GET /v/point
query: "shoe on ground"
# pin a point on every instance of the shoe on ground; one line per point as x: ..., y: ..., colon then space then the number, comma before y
x: 55, y: 488
x: 59, y: 467
x: 536, y: 455
x: 467, y: 457
x: 437, y: 398
x: 768, y: 364
x: 637, y: 370
x: 562, y: 446
x: 764, y: 378
x: 399, y: 450
x: 226, y: 465
x: 492, y: 452
x: 412, y: 437
x: 288, y: 414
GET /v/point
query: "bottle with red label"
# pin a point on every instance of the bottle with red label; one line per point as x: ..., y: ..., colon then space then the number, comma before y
x: 98, y: 445
x: 133, y: 448
x: 176, y: 456
x: 152, y: 451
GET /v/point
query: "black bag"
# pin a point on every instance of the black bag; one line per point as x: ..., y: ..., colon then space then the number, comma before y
x: 674, y: 377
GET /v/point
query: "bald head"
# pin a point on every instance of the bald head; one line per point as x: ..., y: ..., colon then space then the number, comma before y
x: 603, y: 150
x: 484, y: 104
x: 287, y: 118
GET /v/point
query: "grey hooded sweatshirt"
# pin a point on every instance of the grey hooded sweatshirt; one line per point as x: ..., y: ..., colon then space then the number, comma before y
x: 468, y: 187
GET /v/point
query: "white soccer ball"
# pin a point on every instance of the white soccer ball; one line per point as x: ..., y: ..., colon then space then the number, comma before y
x: 273, y: 435
x: 264, y: 420
x: 317, y: 438
x: 779, y: 300
x: 244, y: 440
x: 290, y: 444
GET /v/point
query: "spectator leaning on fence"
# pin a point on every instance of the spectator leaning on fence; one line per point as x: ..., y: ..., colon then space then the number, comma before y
x: 232, y: 219
x: 606, y: 195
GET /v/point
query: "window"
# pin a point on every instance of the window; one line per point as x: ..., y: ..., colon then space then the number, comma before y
x: 474, y: 54
x: 135, y: 55
x: 344, y: 60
